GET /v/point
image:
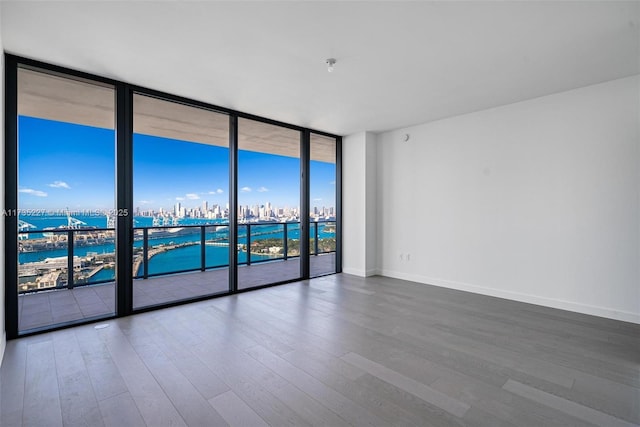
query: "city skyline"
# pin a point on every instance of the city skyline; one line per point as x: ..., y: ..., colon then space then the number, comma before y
x: 215, y: 211
x: 70, y: 166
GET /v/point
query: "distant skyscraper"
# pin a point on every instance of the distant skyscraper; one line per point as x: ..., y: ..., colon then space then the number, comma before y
x: 176, y: 210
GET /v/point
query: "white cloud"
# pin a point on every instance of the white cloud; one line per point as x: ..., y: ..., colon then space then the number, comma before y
x: 246, y: 189
x: 332, y: 183
x: 263, y: 189
x: 219, y: 191
x: 317, y: 200
x: 179, y: 199
x: 33, y: 192
x: 192, y: 196
x: 59, y: 184
x: 145, y: 202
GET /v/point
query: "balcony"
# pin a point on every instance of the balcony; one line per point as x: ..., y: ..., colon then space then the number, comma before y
x: 267, y: 253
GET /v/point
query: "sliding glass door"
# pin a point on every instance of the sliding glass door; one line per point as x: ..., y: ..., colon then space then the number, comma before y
x: 268, y: 204
x: 322, y: 206
x: 66, y: 193
x: 181, y: 202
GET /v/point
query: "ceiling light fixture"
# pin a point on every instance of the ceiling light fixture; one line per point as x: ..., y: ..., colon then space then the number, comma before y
x: 331, y: 62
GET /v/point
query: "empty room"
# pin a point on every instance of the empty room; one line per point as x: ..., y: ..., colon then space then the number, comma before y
x: 320, y: 213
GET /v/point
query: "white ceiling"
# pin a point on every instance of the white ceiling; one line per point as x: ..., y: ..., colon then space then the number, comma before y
x: 398, y: 63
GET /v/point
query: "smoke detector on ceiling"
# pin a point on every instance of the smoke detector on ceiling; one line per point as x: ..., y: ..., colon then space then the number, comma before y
x: 331, y: 63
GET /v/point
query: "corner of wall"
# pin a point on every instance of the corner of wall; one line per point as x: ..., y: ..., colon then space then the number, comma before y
x: 371, y: 204
x: 360, y: 203
x: 352, y: 197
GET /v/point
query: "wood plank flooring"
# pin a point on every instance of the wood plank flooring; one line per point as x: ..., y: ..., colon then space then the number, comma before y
x: 333, y: 351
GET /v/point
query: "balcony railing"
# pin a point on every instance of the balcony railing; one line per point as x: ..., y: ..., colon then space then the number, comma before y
x: 57, y: 250
x: 257, y: 242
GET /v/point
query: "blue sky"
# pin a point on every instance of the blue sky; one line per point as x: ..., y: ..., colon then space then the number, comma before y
x: 64, y: 165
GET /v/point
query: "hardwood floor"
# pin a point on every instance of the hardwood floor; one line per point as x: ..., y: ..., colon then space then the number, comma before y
x: 335, y: 351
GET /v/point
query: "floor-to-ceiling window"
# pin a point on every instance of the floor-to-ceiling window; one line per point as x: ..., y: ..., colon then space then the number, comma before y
x: 322, y: 205
x: 119, y: 199
x: 180, y: 201
x: 268, y: 204
x: 66, y: 199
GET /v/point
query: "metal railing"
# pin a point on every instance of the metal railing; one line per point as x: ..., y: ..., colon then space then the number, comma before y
x: 250, y: 237
x: 314, y: 236
x: 67, y: 239
x: 179, y: 231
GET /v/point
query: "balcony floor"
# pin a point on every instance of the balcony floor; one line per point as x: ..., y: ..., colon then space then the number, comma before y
x: 47, y: 308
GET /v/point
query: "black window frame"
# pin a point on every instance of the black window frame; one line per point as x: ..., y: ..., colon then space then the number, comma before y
x: 124, y: 190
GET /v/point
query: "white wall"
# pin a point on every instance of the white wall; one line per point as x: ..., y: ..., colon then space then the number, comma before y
x: 359, y: 204
x: 536, y: 201
x: 3, y: 337
x: 371, y: 204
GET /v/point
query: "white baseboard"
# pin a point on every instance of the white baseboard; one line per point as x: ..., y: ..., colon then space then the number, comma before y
x: 359, y: 272
x: 608, y: 313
